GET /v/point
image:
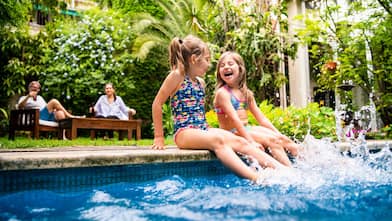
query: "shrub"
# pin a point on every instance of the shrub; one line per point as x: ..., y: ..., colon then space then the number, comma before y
x: 293, y: 122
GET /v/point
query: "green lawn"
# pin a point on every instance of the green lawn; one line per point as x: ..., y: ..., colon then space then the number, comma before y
x: 24, y: 142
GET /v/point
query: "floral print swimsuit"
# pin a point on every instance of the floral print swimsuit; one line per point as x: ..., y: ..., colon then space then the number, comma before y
x: 187, y: 106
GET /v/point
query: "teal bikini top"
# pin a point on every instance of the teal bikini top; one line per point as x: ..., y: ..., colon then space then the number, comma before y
x: 237, y: 103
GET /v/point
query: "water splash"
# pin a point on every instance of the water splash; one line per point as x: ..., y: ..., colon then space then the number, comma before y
x: 323, y: 164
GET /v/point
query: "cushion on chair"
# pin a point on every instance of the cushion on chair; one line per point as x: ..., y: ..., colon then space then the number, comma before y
x: 48, y: 123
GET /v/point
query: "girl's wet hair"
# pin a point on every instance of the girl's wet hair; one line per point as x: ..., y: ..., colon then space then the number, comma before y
x: 180, y: 50
x: 242, y: 73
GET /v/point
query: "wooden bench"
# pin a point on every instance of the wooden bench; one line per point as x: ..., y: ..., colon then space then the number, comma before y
x: 28, y: 120
x: 101, y: 123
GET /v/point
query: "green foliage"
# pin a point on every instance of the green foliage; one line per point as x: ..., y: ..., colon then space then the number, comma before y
x: 167, y: 120
x: 14, y: 12
x: 252, y: 33
x: 86, y: 54
x: 212, y: 119
x: 388, y: 132
x: 347, y: 40
x: 293, y: 122
x: 297, y: 122
x: 20, y: 55
x: 138, y: 6
x: 148, y: 76
x: 168, y: 124
x: 181, y: 18
x: 74, y: 58
x: 4, y: 121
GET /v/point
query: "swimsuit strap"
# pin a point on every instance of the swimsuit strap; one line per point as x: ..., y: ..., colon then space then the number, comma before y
x: 237, y: 103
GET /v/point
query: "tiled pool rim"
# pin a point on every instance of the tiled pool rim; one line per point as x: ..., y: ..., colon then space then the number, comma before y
x: 90, y: 156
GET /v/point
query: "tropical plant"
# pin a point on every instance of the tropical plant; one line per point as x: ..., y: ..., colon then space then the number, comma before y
x: 294, y: 122
x: 131, y: 7
x: 14, y: 12
x: 168, y: 124
x: 358, y: 40
x: 20, y: 55
x: 251, y: 29
x: 4, y: 120
x: 183, y: 17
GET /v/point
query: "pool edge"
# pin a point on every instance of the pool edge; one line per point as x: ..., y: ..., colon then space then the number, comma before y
x: 90, y: 156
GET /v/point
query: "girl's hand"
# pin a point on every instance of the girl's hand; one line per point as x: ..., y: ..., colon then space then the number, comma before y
x: 159, y: 143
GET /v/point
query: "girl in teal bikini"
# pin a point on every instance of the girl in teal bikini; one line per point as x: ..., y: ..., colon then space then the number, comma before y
x: 189, y: 61
x: 233, y: 100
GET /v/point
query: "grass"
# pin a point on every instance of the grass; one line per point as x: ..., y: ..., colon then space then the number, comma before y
x: 25, y: 142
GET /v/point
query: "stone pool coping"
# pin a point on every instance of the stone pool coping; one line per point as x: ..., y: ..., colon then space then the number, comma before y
x: 88, y: 156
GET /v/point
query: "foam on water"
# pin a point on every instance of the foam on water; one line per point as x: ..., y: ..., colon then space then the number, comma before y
x: 322, y: 163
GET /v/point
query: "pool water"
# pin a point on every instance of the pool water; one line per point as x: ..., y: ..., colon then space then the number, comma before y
x: 323, y: 185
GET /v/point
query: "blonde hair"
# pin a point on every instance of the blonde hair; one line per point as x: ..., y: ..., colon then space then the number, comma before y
x: 180, y: 50
x: 242, y: 74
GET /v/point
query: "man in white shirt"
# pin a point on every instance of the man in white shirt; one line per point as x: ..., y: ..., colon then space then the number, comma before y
x: 51, y: 111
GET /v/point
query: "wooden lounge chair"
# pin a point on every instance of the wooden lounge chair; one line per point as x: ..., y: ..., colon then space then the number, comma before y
x: 28, y: 120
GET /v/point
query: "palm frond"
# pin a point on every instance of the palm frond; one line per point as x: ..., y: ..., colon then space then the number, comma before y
x: 144, y: 43
x: 183, y: 17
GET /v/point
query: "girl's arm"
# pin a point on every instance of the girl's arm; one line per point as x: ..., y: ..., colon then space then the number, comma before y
x: 223, y: 100
x: 168, y: 88
x: 260, y: 117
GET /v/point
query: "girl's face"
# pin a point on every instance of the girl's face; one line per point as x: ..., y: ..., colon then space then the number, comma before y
x: 202, y: 64
x: 229, y: 71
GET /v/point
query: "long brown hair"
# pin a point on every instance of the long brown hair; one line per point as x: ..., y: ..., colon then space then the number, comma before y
x: 242, y: 74
x: 180, y: 50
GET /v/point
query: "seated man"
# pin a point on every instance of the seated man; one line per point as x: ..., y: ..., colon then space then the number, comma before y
x: 51, y: 111
x: 112, y: 106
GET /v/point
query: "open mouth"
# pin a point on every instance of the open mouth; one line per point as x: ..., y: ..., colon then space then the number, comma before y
x: 228, y: 74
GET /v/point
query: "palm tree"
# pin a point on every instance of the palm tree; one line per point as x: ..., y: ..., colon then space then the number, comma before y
x: 183, y: 17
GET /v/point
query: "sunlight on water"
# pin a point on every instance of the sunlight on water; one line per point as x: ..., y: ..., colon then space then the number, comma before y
x: 324, y: 184
x: 112, y: 213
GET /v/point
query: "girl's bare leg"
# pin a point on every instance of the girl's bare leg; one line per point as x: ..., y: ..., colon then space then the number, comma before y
x: 276, y: 138
x: 290, y: 145
x: 240, y: 145
x: 271, y: 143
x: 211, y: 140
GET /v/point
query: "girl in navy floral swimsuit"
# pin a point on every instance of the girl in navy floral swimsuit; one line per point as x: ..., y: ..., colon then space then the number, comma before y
x: 189, y: 61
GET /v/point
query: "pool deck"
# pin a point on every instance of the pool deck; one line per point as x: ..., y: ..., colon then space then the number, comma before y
x: 88, y: 156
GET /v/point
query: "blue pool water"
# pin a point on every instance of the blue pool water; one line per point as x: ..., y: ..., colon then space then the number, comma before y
x: 323, y: 185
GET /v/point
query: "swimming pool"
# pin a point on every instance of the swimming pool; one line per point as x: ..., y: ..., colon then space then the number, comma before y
x: 323, y: 185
